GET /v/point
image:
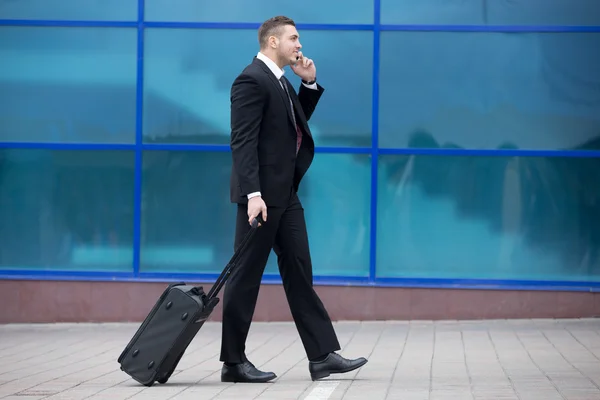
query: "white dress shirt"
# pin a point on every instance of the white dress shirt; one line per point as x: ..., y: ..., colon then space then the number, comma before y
x: 278, y: 72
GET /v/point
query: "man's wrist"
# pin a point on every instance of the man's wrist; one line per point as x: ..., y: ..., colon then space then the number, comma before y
x: 310, y: 84
x: 254, y: 194
x: 310, y: 81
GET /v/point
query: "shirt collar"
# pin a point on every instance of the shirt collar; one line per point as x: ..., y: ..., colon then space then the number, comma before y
x: 278, y: 72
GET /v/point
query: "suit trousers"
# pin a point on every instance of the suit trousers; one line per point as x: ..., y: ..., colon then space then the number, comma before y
x: 285, y: 233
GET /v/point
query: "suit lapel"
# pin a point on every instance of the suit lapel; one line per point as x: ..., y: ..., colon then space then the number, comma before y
x: 277, y: 87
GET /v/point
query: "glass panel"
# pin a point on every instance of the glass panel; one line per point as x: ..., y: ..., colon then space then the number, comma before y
x: 490, y: 90
x: 92, y: 10
x: 188, y: 222
x: 186, y: 93
x: 66, y: 210
x: 489, y: 218
x: 491, y: 12
x: 67, y: 84
x: 307, y: 11
x: 543, y: 12
x: 432, y: 12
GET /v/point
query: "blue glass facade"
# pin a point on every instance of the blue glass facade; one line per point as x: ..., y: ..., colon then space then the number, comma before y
x: 458, y: 142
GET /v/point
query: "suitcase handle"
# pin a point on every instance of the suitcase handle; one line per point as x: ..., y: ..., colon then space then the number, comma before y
x: 218, y: 285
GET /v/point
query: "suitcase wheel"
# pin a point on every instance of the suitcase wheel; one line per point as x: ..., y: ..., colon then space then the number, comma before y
x: 164, y: 380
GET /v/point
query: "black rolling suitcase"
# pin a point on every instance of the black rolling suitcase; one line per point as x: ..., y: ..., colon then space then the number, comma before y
x: 156, y: 348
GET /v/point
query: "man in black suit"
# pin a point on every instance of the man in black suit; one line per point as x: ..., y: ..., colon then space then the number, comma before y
x: 272, y: 148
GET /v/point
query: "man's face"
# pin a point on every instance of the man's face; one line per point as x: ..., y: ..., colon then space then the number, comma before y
x: 289, y: 45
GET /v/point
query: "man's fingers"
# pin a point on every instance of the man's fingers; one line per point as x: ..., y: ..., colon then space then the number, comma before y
x: 251, y: 215
x: 255, y: 210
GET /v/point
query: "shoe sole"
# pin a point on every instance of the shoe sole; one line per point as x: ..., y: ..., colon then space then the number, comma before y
x: 231, y: 380
x: 324, y: 374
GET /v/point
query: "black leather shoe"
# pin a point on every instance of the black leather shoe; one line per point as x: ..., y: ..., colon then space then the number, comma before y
x: 333, y: 364
x: 245, y: 372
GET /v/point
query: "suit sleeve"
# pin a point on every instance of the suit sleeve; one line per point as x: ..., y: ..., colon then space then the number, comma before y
x: 247, y: 102
x: 309, y: 99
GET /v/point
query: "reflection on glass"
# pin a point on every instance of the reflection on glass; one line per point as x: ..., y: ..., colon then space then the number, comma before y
x: 66, y: 210
x: 188, y: 221
x: 431, y: 12
x: 542, y: 12
x: 67, y: 85
x: 489, y: 217
x: 74, y: 10
x: 187, y: 91
x: 491, y: 12
x: 490, y: 90
x: 257, y: 11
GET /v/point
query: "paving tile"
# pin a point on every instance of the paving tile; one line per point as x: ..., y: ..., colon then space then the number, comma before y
x: 409, y: 360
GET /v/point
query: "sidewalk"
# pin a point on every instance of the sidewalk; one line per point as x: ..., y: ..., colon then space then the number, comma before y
x: 496, y: 360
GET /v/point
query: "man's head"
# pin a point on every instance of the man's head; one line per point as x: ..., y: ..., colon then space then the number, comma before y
x: 279, y: 40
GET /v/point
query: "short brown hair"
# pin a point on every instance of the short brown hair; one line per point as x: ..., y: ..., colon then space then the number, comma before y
x: 271, y: 27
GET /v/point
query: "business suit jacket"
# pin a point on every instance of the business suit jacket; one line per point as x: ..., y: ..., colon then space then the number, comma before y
x: 263, y: 135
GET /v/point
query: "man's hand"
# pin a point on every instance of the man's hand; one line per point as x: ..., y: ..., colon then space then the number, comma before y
x: 305, y: 68
x: 256, y: 206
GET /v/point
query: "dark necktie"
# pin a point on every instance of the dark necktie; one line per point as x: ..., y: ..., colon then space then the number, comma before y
x: 298, y: 131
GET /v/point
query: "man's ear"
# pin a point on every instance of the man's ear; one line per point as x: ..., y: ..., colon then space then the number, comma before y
x: 273, y: 42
